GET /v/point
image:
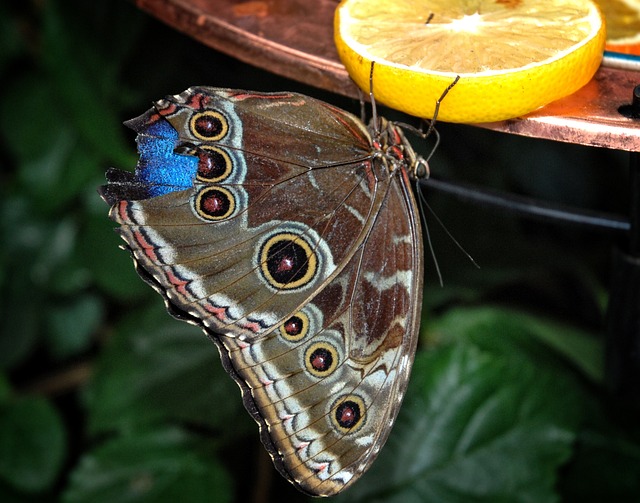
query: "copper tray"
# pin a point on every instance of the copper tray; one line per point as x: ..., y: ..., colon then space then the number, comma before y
x: 294, y: 38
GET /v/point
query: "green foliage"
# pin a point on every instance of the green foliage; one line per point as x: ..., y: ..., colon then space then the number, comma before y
x: 147, y: 371
x: 32, y: 443
x: 506, y: 401
x: 163, y: 465
x: 478, y: 428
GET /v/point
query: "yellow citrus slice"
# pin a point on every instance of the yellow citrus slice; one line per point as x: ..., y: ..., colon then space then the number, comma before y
x: 513, y: 56
x: 623, y: 25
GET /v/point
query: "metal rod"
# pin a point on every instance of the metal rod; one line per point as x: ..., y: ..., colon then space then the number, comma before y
x: 534, y: 208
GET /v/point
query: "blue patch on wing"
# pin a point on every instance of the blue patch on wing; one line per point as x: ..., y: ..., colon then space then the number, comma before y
x: 160, y: 168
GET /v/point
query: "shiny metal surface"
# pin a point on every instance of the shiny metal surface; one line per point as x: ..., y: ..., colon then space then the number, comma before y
x: 294, y: 38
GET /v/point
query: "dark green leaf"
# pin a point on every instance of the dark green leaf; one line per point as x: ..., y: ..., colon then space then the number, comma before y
x: 111, y: 267
x: 9, y: 494
x: 5, y: 389
x: 518, y: 335
x: 35, y: 247
x: 159, y: 368
x: 156, y: 467
x: 21, y: 312
x: 10, y: 41
x: 60, y: 241
x: 32, y: 444
x: 72, y: 325
x: 54, y: 168
x: 606, y: 464
x: 475, y: 427
x: 80, y: 92
x: 34, y: 128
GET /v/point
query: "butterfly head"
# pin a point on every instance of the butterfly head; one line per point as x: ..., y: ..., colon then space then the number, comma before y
x: 391, y: 144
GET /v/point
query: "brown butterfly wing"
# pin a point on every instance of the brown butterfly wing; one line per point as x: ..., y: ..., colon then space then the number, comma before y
x: 297, y: 251
x: 324, y: 422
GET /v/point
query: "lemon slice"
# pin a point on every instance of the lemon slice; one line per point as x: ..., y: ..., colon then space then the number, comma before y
x: 513, y: 56
x: 623, y: 25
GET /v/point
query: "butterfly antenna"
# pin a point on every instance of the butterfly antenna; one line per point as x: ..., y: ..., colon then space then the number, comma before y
x: 432, y: 123
x: 423, y: 216
x: 435, y: 146
x: 423, y: 200
x: 374, y: 111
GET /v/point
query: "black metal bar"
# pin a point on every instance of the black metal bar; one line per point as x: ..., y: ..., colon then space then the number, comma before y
x: 531, y: 207
x: 623, y: 323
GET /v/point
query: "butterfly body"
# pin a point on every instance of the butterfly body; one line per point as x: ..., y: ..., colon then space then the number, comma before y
x: 287, y: 229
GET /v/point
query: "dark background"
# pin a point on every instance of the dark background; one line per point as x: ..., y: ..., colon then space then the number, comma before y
x: 104, y: 397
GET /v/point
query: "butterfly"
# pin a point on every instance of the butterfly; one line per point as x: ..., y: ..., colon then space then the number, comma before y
x: 287, y: 230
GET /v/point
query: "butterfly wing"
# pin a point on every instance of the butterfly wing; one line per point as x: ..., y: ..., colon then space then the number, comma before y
x: 328, y: 383
x: 266, y: 219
